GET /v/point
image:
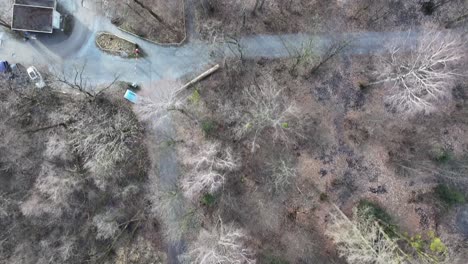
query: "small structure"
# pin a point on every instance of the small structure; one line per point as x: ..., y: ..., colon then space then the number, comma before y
x: 131, y: 96
x: 36, y: 16
x: 4, y: 66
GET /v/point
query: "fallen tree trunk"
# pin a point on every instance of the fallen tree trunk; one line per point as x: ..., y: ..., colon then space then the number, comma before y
x: 199, y: 78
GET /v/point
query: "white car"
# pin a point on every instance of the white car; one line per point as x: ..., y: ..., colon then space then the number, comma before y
x: 36, y: 77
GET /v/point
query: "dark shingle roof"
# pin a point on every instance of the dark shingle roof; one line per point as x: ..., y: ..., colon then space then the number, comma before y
x: 42, y: 3
x: 33, y: 15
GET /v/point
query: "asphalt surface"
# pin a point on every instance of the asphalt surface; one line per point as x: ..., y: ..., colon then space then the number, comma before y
x: 63, y: 52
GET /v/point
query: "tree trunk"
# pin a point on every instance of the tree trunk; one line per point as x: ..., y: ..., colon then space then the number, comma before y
x: 4, y: 24
x: 156, y: 16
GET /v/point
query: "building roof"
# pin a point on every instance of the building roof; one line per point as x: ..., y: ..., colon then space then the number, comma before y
x: 33, y: 15
x: 131, y: 96
x: 41, y: 3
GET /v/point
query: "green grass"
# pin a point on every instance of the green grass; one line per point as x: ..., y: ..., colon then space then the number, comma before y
x: 209, y: 127
x: 208, y: 199
x: 449, y: 195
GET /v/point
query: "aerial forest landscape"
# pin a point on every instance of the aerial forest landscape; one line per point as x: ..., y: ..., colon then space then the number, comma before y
x: 233, y: 131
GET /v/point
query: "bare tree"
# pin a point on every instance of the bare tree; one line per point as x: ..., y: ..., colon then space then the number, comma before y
x: 106, y: 225
x: 368, y: 12
x: 266, y: 107
x: 208, y: 168
x: 161, y: 101
x: 419, y: 78
x: 104, y: 143
x: 361, y: 240
x: 4, y: 24
x: 460, y: 15
x: 6, y: 13
x: 76, y: 80
x: 53, y: 191
x: 282, y: 173
x: 220, y: 245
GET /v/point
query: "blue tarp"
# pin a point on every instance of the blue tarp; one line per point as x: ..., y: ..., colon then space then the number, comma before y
x: 131, y: 96
x: 3, y: 66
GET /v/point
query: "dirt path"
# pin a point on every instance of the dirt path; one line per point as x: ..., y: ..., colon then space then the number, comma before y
x: 168, y: 173
x: 192, y: 33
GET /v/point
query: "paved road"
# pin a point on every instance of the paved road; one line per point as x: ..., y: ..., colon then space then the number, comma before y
x: 60, y: 51
x: 63, y: 52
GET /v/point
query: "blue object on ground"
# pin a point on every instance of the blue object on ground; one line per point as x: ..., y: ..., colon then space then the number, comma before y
x: 4, y: 67
x: 131, y: 96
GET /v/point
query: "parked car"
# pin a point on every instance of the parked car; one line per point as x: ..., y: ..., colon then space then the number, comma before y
x: 4, y: 66
x: 36, y: 77
x: 134, y: 86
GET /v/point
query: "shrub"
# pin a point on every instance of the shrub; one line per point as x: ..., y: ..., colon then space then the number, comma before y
x: 448, y: 195
x: 194, y: 97
x: 372, y: 211
x: 363, y: 86
x: 272, y: 259
x: 442, y: 156
x: 208, y: 127
x: 323, y: 197
x: 208, y: 199
x: 429, y: 245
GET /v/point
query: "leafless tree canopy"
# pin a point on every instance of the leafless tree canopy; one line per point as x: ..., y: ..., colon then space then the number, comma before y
x: 76, y: 79
x: 220, y: 245
x: 207, y: 169
x: 158, y: 101
x: 418, y: 78
x: 105, y: 143
x: 267, y: 108
x: 362, y: 240
x: 282, y: 174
